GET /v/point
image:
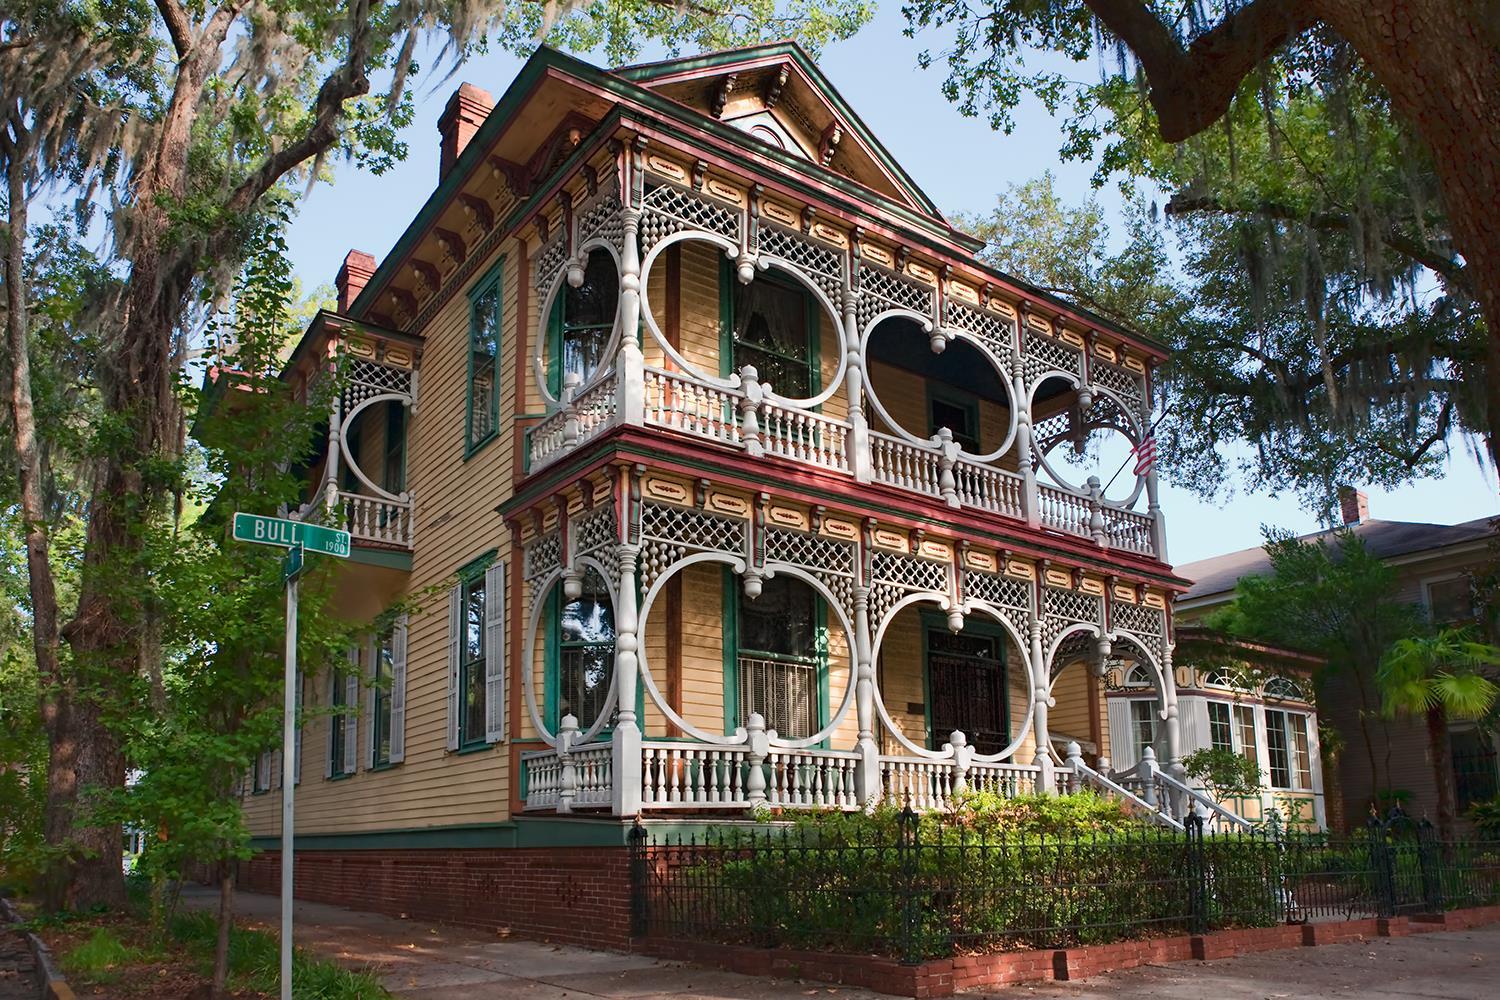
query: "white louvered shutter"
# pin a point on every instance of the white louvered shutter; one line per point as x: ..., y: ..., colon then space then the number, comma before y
x: 1122, y: 755
x: 398, y: 690
x: 455, y: 650
x: 494, y: 653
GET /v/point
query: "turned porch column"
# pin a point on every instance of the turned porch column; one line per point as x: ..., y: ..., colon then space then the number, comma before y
x: 630, y: 365
x: 1030, y: 506
x: 867, y: 771
x: 627, y: 735
x: 335, y: 452
x: 1046, y: 784
x: 859, y: 432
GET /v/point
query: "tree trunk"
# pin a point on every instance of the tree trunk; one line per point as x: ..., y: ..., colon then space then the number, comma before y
x: 1440, y: 62
x: 1442, y: 770
x: 226, y: 922
x: 53, y: 692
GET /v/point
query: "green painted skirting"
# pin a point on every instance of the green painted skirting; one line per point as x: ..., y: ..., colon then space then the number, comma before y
x: 524, y: 831
x: 389, y: 558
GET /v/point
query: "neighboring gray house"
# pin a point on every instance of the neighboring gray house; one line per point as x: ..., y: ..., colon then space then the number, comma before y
x: 1437, y: 564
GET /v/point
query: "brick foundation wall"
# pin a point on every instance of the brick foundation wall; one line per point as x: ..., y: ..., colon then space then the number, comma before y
x: 534, y: 892
x: 943, y: 977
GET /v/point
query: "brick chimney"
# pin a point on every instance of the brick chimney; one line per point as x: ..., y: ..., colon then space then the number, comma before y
x: 466, y: 111
x: 356, y: 271
x: 1355, y: 506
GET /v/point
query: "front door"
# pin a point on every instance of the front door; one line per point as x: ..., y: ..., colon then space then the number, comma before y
x: 966, y: 689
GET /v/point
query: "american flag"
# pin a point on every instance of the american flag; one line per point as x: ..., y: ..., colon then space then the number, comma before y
x: 1145, y: 454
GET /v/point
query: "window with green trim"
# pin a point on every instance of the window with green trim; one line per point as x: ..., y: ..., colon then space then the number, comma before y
x: 582, y: 320
x: 471, y: 707
x: 383, y: 673
x: 338, y: 720
x: 772, y: 323
x: 585, y: 641
x: 780, y: 657
x: 483, y: 408
x: 956, y: 411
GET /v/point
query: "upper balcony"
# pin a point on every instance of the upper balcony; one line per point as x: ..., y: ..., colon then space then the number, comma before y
x: 355, y: 473
x: 767, y: 332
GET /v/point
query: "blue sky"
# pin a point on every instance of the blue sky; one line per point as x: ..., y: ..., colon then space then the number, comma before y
x: 959, y: 162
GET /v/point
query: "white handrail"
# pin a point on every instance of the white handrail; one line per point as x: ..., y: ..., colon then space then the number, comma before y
x: 1085, y: 774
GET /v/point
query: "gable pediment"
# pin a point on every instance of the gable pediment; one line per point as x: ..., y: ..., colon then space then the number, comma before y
x: 778, y: 96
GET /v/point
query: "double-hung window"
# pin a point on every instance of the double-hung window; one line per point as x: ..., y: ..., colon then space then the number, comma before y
x: 1244, y: 720
x: 476, y: 660
x: 483, y: 409
x: 343, y: 719
x: 471, y: 663
x: 1143, y: 724
x: 382, y: 688
x: 582, y: 320
x: 1220, y: 728
x: 586, y: 652
x: 780, y: 655
x: 1287, y: 747
x: 772, y: 325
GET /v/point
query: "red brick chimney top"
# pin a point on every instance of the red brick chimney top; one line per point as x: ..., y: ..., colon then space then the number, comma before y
x: 1354, y: 505
x: 466, y: 111
x: 356, y: 271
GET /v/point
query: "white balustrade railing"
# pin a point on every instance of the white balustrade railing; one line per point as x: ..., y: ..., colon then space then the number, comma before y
x: 376, y: 519
x: 1063, y: 511
x: 541, y: 774
x: 998, y: 491
x: 1129, y: 530
x: 698, y: 776
x: 678, y: 403
x: 578, y: 419
x: 595, y: 409
x: 693, y: 776
x: 581, y: 777
x: 918, y: 782
x: 904, y: 465
x: 811, y: 779
x: 1005, y: 780
x: 803, y: 436
x: 745, y: 418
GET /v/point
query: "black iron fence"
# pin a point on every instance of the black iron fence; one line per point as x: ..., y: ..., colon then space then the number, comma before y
x: 916, y: 889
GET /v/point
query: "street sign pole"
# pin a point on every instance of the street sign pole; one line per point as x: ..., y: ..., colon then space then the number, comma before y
x: 293, y: 570
x: 298, y: 538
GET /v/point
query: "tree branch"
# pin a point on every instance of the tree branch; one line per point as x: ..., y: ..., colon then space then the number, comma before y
x: 179, y: 26
x: 1448, y: 268
x: 343, y: 83
x: 1191, y: 89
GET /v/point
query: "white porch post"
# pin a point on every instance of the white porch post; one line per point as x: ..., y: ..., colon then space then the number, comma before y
x: 630, y: 365
x: 867, y: 771
x: 626, y: 794
x: 335, y: 452
x: 1043, y: 760
x: 859, y: 433
x: 567, y: 780
x: 1174, y: 766
x: 1024, y: 444
x: 1158, y: 519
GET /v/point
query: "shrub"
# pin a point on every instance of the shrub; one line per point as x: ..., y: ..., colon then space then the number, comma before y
x: 1224, y: 773
x: 1486, y: 816
x: 100, y: 957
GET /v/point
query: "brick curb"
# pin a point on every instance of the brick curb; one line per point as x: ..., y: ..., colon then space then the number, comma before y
x: 944, y: 977
x: 55, y: 987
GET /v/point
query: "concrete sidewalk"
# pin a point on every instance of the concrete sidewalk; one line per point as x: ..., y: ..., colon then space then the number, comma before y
x: 426, y: 962
x: 420, y: 961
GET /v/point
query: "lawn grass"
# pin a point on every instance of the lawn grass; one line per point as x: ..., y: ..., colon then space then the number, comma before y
x: 118, y: 954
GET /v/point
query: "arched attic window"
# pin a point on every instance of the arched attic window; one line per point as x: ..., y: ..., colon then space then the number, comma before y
x: 1139, y: 676
x: 1284, y: 688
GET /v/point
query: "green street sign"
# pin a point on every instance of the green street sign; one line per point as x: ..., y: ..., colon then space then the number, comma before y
x: 291, y: 534
x: 291, y: 566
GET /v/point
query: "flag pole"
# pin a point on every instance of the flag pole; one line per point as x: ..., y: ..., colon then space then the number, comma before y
x: 1150, y: 432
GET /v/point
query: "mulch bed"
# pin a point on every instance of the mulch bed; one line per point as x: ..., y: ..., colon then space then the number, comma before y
x: 172, y: 975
